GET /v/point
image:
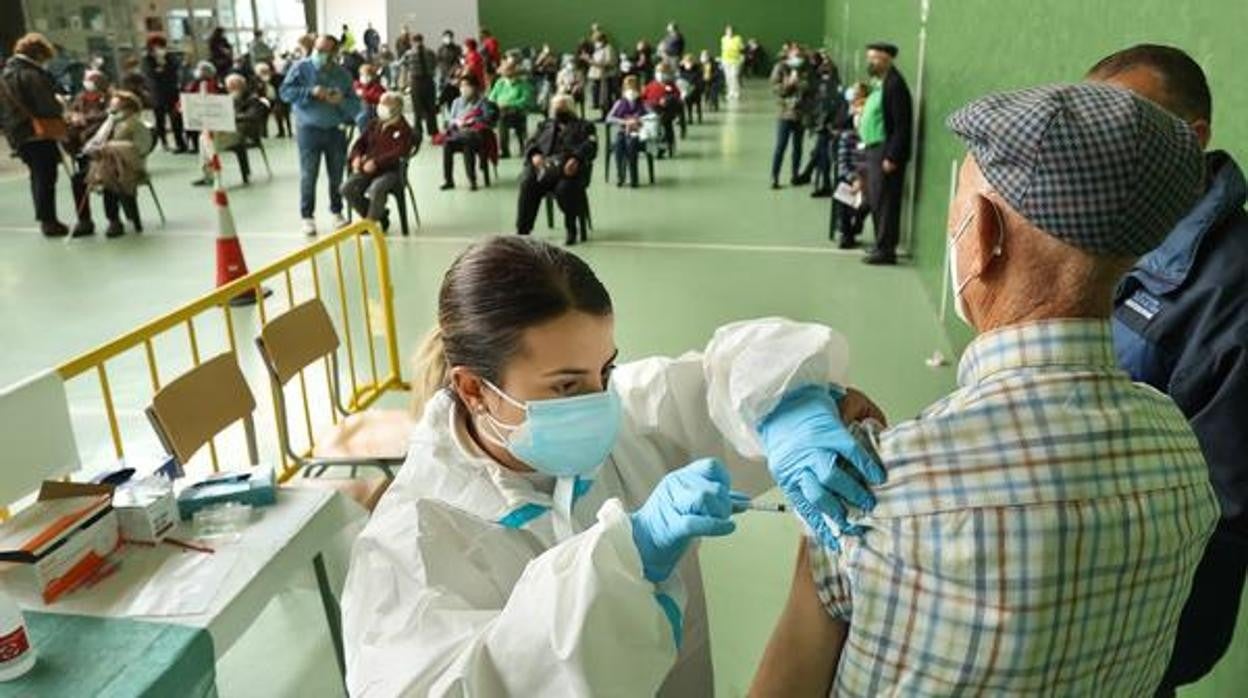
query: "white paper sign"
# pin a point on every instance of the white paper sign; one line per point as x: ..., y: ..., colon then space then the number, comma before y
x: 205, y: 112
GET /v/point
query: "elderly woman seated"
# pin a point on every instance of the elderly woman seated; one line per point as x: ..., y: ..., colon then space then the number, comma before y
x: 513, y: 94
x: 469, y: 132
x: 87, y: 112
x: 118, y: 160
x: 376, y: 160
x: 251, y: 111
x: 627, y: 113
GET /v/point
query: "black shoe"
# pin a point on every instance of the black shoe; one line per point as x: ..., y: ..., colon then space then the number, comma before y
x: 202, y: 182
x: 847, y: 243
x: 53, y: 229
x: 138, y: 227
x: 775, y: 184
x: 880, y: 258
x: 180, y: 151
x: 619, y: 183
x: 821, y: 193
x: 472, y: 186
x: 570, y: 242
x: 800, y: 180
x: 633, y: 185
x: 446, y: 186
x: 115, y: 229
x: 83, y: 229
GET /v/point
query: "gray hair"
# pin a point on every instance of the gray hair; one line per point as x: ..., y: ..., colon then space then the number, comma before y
x: 561, y: 102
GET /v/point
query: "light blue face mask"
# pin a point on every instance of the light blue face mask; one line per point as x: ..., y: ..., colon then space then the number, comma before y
x: 319, y: 59
x: 563, y: 437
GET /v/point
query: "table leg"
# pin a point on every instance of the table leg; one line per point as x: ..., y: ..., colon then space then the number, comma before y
x: 333, y: 614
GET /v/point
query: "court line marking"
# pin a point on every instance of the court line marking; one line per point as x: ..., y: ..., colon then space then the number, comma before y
x: 465, y: 240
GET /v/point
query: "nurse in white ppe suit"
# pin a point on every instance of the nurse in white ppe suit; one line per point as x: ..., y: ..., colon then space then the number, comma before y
x: 537, y: 540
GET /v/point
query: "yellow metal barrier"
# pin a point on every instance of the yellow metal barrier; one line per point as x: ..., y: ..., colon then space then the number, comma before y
x: 376, y: 310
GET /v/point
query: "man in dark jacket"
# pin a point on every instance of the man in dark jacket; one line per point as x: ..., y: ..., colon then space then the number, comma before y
x: 419, y: 64
x: 886, y: 135
x: 376, y: 160
x: 448, y: 58
x: 29, y: 93
x: 1181, y: 325
x: 163, y: 73
x: 557, y: 160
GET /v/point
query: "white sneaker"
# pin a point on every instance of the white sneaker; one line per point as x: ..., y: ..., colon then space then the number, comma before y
x: 309, y: 226
x: 339, y: 221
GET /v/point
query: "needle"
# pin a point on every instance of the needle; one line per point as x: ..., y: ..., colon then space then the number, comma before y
x: 741, y: 502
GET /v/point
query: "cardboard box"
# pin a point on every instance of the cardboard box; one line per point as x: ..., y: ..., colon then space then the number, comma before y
x: 64, y: 536
x: 146, y: 514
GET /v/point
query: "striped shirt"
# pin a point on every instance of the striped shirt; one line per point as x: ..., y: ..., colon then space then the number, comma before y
x: 1037, y: 534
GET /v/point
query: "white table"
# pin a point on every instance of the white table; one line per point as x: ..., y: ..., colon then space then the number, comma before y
x: 305, y: 526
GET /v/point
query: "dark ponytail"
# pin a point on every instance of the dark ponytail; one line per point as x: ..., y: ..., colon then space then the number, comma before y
x: 492, y: 293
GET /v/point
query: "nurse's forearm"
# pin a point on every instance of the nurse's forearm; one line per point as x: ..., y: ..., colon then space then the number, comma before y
x: 805, y: 647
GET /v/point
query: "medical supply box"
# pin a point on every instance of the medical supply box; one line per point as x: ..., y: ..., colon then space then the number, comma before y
x: 146, y: 510
x: 257, y: 487
x: 64, y: 537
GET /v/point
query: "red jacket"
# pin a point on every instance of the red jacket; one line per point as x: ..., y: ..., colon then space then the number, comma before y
x: 474, y: 63
x: 384, y: 144
x: 491, y: 48
x: 655, y: 92
x: 370, y: 93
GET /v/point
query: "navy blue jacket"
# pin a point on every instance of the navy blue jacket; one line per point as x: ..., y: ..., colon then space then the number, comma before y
x: 1181, y: 325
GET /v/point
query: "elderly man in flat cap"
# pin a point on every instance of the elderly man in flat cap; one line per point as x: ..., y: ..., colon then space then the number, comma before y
x: 885, y: 133
x: 1040, y: 526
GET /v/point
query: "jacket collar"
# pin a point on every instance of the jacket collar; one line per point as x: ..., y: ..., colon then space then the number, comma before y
x: 1167, y: 267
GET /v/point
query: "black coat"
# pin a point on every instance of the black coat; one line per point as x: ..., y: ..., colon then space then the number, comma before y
x: 898, y: 118
x: 576, y: 138
x: 164, y: 80
x: 35, y: 92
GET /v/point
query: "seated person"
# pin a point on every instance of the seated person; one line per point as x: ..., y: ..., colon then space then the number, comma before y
x: 250, y: 114
x: 557, y: 160
x: 512, y: 93
x: 369, y: 89
x: 1040, y: 527
x: 118, y: 153
x: 375, y: 160
x: 663, y: 98
x: 850, y: 168
x: 693, y: 86
x: 626, y: 114
x: 85, y: 115
x: 571, y: 81
x: 204, y: 81
x: 466, y: 132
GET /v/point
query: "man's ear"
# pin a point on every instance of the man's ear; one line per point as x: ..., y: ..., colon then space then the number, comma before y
x: 987, y: 234
x: 1204, y: 132
x: 469, y: 387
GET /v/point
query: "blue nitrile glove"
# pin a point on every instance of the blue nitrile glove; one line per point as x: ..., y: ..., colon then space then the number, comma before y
x: 687, y: 503
x: 803, y: 439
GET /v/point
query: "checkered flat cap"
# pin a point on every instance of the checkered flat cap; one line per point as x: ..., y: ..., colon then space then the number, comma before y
x: 1091, y: 164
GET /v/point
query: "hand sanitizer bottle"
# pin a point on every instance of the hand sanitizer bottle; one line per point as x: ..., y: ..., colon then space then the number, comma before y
x: 16, y: 655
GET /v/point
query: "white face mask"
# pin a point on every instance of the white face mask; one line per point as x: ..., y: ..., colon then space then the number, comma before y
x: 385, y: 112
x: 89, y: 85
x: 630, y: 95
x: 366, y: 79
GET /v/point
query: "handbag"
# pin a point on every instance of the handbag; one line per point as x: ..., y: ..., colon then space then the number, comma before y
x: 45, y: 128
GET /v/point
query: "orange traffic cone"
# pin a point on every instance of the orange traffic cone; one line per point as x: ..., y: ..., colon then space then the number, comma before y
x: 230, y: 262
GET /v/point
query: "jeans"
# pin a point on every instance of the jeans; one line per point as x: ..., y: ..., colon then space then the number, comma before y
x: 42, y: 157
x: 627, y: 149
x: 315, y: 143
x: 786, y: 129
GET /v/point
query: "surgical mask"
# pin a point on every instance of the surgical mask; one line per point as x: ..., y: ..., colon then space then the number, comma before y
x: 237, y: 94
x: 794, y: 62
x: 630, y: 95
x: 319, y: 59
x: 89, y: 86
x: 115, y: 112
x: 366, y: 79
x: 665, y: 77
x: 160, y: 52
x: 385, y: 112
x: 446, y: 41
x: 468, y: 92
x: 563, y: 437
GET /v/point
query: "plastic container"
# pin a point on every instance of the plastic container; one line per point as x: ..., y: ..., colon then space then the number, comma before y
x: 17, y: 656
x: 223, y: 523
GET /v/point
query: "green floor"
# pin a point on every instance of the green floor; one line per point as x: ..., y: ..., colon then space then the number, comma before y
x: 709, y: 244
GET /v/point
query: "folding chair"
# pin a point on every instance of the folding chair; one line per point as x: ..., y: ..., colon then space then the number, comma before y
x: 610, y: 146
x: 398, y: 194
x: 290, y: 343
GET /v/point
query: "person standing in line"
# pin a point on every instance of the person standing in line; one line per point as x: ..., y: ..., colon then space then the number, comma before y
x: 372, y: 42
x: 32, y: 118
x: 321, y: 94
x: 164, y: 82
x: 792, y: 84
x: 886, y: 138
x: 221, y: 52
x: 448, y: 58
x: 603, y: 73
x: 731, y: 53
x: 260, y: 51
x: 419, y: 64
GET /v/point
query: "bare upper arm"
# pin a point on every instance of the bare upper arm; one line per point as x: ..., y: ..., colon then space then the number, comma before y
x: 805, y: 647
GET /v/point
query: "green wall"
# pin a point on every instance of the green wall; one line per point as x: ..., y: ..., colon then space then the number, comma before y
x: 564, y: 22
x: 978, y: 46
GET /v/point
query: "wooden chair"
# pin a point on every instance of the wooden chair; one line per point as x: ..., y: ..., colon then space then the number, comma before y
x: 290, y: 343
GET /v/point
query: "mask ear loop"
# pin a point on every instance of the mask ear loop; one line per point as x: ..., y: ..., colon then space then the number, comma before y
x: 496, y: 426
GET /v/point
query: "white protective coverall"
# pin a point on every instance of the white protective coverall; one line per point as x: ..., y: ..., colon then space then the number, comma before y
x: 473, y: 580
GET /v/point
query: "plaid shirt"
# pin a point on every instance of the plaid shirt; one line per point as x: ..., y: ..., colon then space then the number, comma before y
x: 1037, y: 534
